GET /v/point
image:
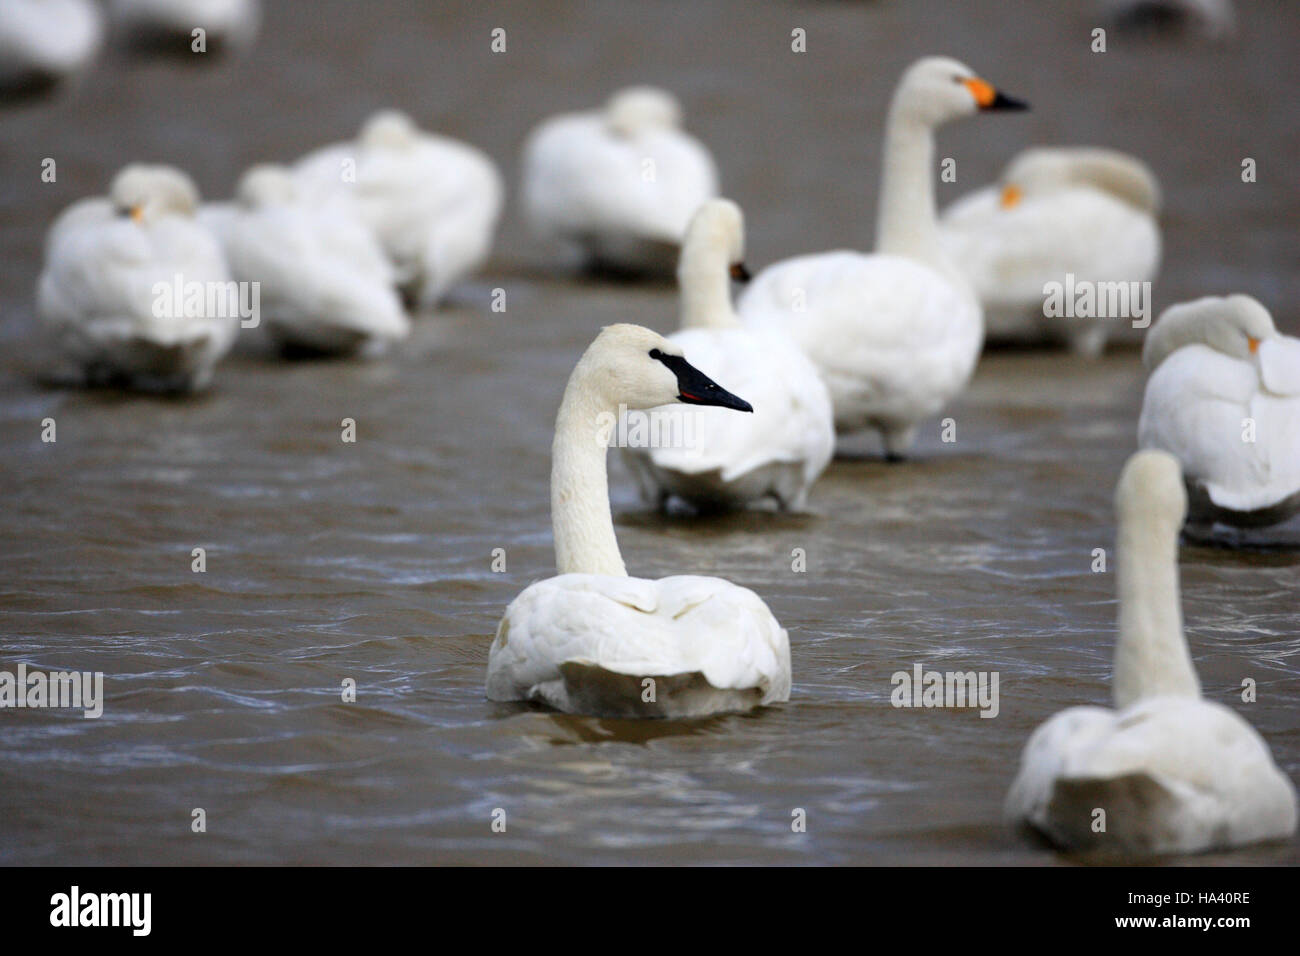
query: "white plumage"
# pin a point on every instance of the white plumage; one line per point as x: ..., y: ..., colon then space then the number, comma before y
x: 596, y: 641
x: 325, y: 284
x: 432, y: 201
x: 617, y: 185
x: 42, y: 41
x: 895, y: 334
x: 1224, y: 398
x: 1084, y: 211
x: 710, y: 457
x: 105, y: 292
x: 1173, y: 773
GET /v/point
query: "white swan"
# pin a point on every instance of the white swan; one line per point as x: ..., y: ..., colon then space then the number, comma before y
x: 432, y: 201
x: 1213, y: 19
x: 224, y: 22
x: 43, y: 41
x: 895, y: 334
x: 1172, y: 772
x: 1224, y: 399
x: 1084, y: 211
x: 106, y: 293
x: 325, y: 284
x: 617, y: 185
x: 711, y: 457
x: 596, y: 641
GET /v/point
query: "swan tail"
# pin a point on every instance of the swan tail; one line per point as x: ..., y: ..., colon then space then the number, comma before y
x: 588, y: 688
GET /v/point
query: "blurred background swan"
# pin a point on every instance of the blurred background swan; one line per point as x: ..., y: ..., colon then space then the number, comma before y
x: 170, y: 24
x: 616, y: 187
x: 45, y: 41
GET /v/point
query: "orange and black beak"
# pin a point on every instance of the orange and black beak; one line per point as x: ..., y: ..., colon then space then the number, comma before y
x: 740, y: 273
x: 136, y: 213
x: 990, y: 98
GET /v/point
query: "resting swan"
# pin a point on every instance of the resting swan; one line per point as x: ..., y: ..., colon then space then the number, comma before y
x: 617, y: 185
x: 1174, y: 773
x: 432, y: 201
x: 596, y: 641
x: 709, y: 457
x: 896, y: 334
x: 106, y: 291
x: 1086, y: 211
x: 1224, y: 399
x: 325, y: 285
x: 44, y: 41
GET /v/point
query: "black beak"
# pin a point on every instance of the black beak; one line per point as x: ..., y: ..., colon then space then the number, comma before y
x: 740, y: 273
x: 696, y: 388
x: 1003, y: 102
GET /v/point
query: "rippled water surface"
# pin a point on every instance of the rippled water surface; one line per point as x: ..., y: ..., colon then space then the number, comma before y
x: 371, y: 561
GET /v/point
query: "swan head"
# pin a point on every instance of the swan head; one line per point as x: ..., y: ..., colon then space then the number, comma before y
x: 715, y: 232
x: 635, y: 367
x: 266, y: 185
x: 148, y: 193
x: 637, y: 108
x: 1045, y: 169
x: 389, y: 129
x: 936, y: 89
x: 1234, y: 325
x: 1151, y: 493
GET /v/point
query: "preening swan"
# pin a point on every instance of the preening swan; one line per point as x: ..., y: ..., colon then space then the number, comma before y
x: 710, y: 457
x: 1173, y: 773
x: 43, y: 41
x: 1224, y: 399
x: 1083, y: 211
x: 596, y: 641
x: 895, y: 334
x: 617, y: 185
x: 432, y: 201
x: 325, y: 284
x: 172, y: 23
x: 106, y: 293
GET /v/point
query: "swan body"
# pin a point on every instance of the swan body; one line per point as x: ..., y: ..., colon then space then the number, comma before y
x: 233, y: 22
x: 106, y: 262
x: 617, y: 185
x: 1174, y: 773
x: 594, y: 640
x: 432, y: 201
x: 325, y: 284
x: 896, y: 333
x: 1219, y: 369
x: 1083, y: 211
x: 1213, y: 19
x: 722, y: 460
x: 44, y: 41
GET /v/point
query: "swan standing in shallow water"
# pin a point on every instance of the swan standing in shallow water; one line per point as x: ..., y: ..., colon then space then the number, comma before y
x: 715, y: 459
x: 1084, y: 211
x: 1174, y: 773
x: 325, y: 285
x: 106, y: 261
x: 596, y: 641
x: 895, y: 334
x: 432, y: 201
x: 617, y: 185
x: 44, y: 41
x: 1224, y: 399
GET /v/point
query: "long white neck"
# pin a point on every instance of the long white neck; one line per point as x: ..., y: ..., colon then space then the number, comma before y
x: 580, y: 514
x: 1151, y: 656
x: 705, y: 283
x: 905, y: 225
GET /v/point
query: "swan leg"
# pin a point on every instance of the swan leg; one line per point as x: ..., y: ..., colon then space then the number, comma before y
x: 898, y: 442
x: 1089, y: 342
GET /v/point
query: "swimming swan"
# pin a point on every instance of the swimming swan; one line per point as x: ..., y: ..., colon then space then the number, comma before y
x: 106, y: 293
x: 433, y: 201
x: 896, y: 334
x: 1223, y: 398
x: 1174, y: 773
x: 617, y: 185
x: 710, y: 457
x: 325, y: 284
x: 1085, y: 211
x: 44, y: 41
x: 596, y: 641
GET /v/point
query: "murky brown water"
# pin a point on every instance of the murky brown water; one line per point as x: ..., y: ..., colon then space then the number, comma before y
x: 371, y: 561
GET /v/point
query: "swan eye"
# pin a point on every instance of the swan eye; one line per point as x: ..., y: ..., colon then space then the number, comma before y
x: 656, y: 354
